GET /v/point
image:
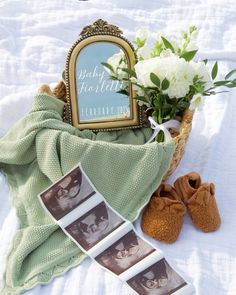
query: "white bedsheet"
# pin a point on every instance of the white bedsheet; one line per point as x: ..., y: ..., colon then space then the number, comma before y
x: 34, y: 39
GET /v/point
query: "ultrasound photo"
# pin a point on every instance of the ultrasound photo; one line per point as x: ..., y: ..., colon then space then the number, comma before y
x: 67, y: 194
x: 94, y: 226
x: 158, y: 279
x: 124, y: 253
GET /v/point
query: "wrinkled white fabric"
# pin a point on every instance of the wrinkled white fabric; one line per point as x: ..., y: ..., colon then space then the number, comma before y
x: 34, y: 39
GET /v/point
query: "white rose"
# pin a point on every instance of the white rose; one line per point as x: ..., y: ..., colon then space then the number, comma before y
x: 202, y: 71
x: 143, y: 69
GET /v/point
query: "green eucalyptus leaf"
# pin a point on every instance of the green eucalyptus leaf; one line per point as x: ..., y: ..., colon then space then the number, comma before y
x: 168, y: 44
x: 220, y: 92
x: 189, y: 55
x: 156, y: 104
x: 222, y: 83
x: 231, y: 85
x: 230, y: 74
x: 105, y: 64
x: 165, y: 84
x: 155, y: 80
x: 167, y: 118
x: 142, y: 98
x: 205, y: 61
x: 154, y: 115
x: 134, y: 83
x: 166, y: 110
x: 214, y: 71
x: 152, y: 88
x: 130, y: 72
x: 123, y: 91
x: 140, y: 43
x: 183, y: 105
x: 113, y: 78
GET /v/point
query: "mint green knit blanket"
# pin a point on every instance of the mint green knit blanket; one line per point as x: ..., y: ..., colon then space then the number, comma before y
x: 41, y: 148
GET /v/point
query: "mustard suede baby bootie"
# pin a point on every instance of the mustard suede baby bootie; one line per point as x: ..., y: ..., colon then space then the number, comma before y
x: 200, y: 201
x: 163, y: 216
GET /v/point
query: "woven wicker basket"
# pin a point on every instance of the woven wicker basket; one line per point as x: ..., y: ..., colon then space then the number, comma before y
x: 180, y: 139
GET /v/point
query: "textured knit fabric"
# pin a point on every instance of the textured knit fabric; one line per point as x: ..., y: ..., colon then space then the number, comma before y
x: 41, y: 148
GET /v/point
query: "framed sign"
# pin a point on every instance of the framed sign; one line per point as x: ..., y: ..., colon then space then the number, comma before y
x: 94, y: 100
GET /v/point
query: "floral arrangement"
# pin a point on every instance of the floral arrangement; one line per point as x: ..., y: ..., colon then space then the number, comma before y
x: 166, y: 78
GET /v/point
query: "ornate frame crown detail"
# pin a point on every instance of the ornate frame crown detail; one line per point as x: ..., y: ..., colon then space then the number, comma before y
x: 100, y: 27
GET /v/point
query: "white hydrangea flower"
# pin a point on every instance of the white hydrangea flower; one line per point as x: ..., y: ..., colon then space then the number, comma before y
x: 180, y: 75
x: 202, y: 71
x: 175, y: 69
x: 196, y: 102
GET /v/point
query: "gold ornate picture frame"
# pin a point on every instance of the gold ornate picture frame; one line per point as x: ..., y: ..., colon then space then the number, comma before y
x: 93, y: 101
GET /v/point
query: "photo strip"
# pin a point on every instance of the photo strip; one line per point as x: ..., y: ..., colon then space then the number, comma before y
x: 110, y: 240
x: 158, y: 279
x: 67, y: 194
x: 94, y: 226
x: 124, y: 253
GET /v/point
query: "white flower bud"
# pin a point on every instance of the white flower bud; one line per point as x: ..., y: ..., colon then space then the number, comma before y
x: 158, y: 36
x: 191, y: 46
x: 142, y: 34
x: 194, y: 35
x: 196, y: 102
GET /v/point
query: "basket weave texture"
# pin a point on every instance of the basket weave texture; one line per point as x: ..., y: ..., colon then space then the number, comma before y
x: 180, y: 138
